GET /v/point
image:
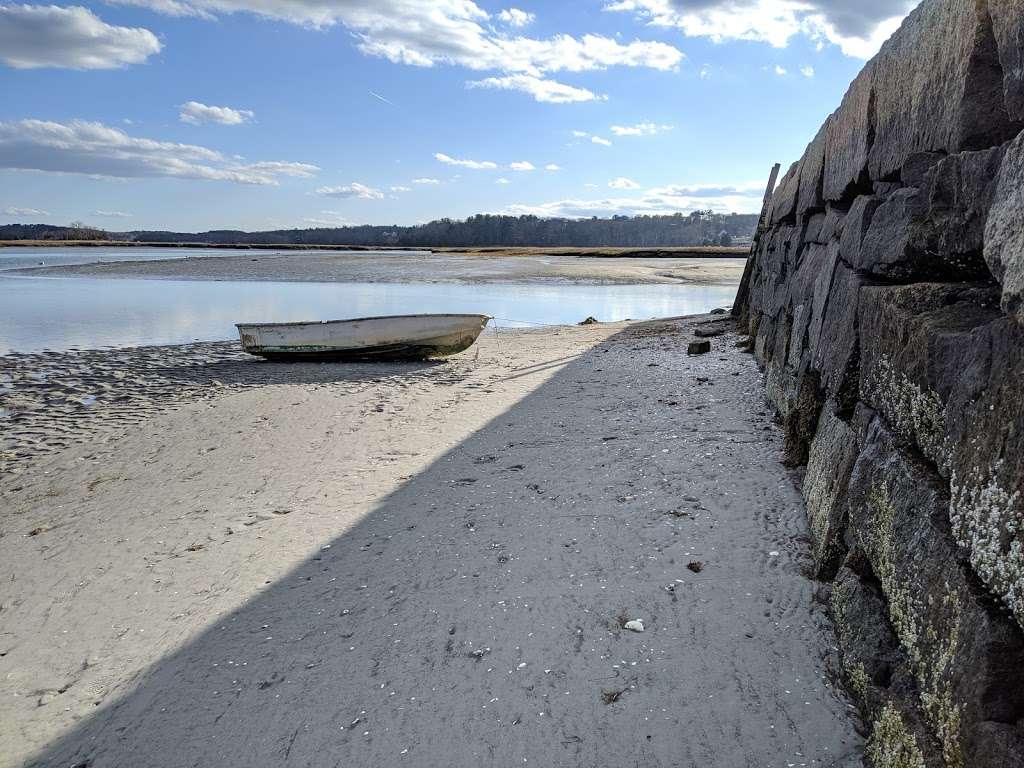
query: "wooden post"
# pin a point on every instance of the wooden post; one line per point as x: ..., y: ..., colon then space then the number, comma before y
x: 739, y: 307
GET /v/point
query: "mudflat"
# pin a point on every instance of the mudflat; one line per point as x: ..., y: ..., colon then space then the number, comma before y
x: 507, y: 265
x: 220, y: 561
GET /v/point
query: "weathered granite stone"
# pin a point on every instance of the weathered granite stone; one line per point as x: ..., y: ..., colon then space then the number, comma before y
x: 802, y: 418
x: 1004, y: 233
x: 848, y: 138
x: 916, y: 341
x: 938, y: 86
x: 855, y: 228
x: 876, y: 672
x: 959, y: 190
x: 784, y: 198
x: 1008, y: 30
x: 764, y: 338
x: 916, y: 165
x: 832, y: 454
x: 966, y: 658
x: 935, y: 230
x: 886, y: 248
x: 810, y: 197
x: 832, y: 226
x: 985, y: 440
x: 837, y: 350
x: 896, y: 296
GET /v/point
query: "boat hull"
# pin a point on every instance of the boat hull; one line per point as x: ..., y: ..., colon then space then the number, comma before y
x: 403, y: 338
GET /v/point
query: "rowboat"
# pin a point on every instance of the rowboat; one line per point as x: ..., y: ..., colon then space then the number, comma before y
x: 400, y: 337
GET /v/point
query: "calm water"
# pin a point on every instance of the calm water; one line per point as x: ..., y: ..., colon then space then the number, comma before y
x: 20, y: 258
x: 39, y: 313
x: 59, y: 313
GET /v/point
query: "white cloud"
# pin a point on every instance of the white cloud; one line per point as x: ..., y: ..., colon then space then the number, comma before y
x: 112, y: 214
x: 426, y: 182
x: 473, y: 164
x: 807, y: 71
x: 195, y: 113
x: 327, y: 219
x: 623, y: 183
x: 552, y: 167
x: 502, y: 180
x: 517, y: 18
x: 580, y: 134
x: 522, y: 166
x: 31, y: 213
x: 400, y: 188
x: 548, y: 91
x: 426, y: 33
x: 94, y: 149
x: 858, y: 28
x: 744, y: 198
x: 34, y: 36
x: 355, y: 189
x: 780, y: 70
x: 640, y: 129
x: 599, y: 140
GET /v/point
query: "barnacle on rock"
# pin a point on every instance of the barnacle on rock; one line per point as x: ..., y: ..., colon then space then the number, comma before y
x: 916, y: 414
x: 932, y: 650
x: 892, y: 745
x: 988, y: 521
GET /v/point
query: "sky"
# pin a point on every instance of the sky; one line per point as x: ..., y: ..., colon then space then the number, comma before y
x: 191, y: 115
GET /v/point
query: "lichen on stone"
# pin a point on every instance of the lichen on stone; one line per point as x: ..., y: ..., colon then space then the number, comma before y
x: 988, y: 521
x: 892, y: 745
x: 857, y: 678
x: 932, y: 650
x: 918, y: 415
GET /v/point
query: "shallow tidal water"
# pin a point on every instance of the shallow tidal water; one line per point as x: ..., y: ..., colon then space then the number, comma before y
x: 58, y: 313
x: 38, y: 313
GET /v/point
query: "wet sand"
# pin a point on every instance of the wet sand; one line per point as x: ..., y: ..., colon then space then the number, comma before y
x: 246, y: 564
x: 423, y: 267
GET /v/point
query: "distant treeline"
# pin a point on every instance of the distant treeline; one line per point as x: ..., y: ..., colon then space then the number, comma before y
x: 698, y: 228
x: 74, y: 231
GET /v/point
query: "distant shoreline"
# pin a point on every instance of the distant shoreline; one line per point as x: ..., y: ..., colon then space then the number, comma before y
x: 666, y: 252
x: 479, y: 266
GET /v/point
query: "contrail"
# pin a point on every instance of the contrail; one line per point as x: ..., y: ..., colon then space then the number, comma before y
x: 378, y: 96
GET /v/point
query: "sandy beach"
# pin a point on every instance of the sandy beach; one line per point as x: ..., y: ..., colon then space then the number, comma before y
x: 225, y: 562
x: 417, y: 267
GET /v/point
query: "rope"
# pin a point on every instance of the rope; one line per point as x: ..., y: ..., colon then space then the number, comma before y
x: 497, y: 336
x: 524, y: 322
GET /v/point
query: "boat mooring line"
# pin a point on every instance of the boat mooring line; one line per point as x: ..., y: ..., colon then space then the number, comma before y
x: 524, y: 322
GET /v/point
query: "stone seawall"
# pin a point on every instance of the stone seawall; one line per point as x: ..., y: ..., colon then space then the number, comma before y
x: 885, y: 300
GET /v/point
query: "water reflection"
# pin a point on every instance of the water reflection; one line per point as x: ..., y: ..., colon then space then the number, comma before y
x: 61, y: 313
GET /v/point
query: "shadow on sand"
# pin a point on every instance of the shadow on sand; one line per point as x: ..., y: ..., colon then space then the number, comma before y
x: 474, y: 618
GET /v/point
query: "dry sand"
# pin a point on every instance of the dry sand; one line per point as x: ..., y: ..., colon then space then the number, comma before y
x: 422, y: 267
x: 246, y: 564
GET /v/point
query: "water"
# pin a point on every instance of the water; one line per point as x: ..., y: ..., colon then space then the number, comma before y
x: 39, y: 313
x: 22, y: 258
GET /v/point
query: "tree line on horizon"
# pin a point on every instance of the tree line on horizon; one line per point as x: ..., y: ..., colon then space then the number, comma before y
x: 483, y: 230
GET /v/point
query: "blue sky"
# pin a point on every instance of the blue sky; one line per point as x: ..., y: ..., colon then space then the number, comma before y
x: 257, y: 114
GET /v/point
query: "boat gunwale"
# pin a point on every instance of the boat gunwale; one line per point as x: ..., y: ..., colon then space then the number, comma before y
x: 240, y: 326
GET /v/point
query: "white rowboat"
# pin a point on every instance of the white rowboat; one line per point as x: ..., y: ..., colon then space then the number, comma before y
x: 402, y: 337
